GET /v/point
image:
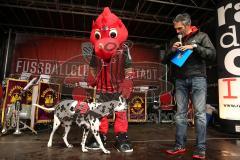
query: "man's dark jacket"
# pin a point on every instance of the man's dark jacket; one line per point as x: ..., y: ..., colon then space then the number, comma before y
x: 195, y: 66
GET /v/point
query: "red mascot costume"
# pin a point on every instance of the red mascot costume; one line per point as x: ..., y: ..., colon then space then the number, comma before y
x: 111, y: 73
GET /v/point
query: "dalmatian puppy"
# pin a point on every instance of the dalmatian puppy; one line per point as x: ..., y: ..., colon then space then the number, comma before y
x: 68, y: 111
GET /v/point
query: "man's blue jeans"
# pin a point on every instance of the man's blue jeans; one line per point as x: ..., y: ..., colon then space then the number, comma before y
x: 197, y: 86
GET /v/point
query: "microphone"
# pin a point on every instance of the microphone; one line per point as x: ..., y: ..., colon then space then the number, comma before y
x: 180, y: 38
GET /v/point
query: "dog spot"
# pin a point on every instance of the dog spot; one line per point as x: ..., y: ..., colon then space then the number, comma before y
x: 93, y: 114
x: 62, y: 108
x: 68, y: 104
x: 66, y: 119
x: 103, y: 109
x: 110, y: 110
x: 83, y: 126
x: 111, y: 104
x: 78, y: 121
x: 75, y: 116
x: 72, y: 109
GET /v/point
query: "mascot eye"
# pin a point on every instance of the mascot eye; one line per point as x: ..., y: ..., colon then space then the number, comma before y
x: 113, y: 33
x: 97, y: 35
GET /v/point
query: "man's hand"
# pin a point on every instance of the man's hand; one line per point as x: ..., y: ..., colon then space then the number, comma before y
x: 175, y: 46
x: 184, y: 48
x: 125, y: 88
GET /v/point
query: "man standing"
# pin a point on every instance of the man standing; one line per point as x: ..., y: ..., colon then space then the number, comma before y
x: 190, y: 82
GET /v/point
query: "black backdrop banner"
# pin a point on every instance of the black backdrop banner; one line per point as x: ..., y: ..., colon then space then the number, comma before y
x: 228, y: 38
x: 228, y: 52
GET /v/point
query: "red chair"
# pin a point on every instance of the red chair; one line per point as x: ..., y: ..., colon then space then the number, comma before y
x: 167, y: 108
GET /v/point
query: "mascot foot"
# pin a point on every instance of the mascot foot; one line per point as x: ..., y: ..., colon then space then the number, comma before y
x: 92, y: 143
x: 122, y: 143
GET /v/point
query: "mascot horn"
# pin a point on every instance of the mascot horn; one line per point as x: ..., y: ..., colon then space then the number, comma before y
x: 108, y: 32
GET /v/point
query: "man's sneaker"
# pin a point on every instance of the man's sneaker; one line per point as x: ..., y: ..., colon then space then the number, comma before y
x: 198, y: 154
x: 122, y: 143
x: 176, y: 150
x: 92, y: 144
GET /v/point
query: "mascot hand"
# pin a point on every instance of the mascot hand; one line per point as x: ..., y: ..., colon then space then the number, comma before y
x: 82, y: 107
x: 126, y: 87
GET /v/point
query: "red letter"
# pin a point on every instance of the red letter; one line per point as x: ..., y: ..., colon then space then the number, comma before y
x: 229, y: 88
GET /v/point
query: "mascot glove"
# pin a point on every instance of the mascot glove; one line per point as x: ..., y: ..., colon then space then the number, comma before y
x: 82, y: 107
x: 130, y: 75
x: 126, y: 87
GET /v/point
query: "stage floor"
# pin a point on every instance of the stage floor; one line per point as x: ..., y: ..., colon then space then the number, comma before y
x: 149, y: 141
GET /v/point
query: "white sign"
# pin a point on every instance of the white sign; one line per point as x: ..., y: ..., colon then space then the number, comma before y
x: 237, y: 128
x: 229, y: 98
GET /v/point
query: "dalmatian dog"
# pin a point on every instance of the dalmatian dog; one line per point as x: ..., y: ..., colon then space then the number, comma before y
x: 68, y: 111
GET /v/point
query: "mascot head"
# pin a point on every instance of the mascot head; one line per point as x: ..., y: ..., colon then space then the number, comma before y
x: 107, y: 33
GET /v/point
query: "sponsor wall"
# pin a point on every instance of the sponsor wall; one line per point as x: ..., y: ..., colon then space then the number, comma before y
x: 48, y: 52
x: 63, y: 57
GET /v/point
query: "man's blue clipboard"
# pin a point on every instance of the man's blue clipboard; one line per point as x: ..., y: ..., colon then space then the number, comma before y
x: 180, y: 58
